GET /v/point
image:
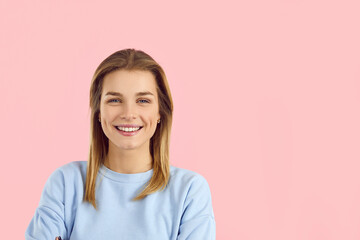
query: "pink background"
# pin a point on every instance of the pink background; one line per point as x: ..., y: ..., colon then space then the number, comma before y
x: 266, y: 98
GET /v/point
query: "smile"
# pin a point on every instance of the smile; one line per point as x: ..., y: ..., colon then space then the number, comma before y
x: 128, y: 129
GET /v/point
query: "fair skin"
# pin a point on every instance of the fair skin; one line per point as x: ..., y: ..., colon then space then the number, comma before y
x: 129, y: 113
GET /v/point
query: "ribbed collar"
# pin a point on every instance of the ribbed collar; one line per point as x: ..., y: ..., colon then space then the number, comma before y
x: 126, y: 178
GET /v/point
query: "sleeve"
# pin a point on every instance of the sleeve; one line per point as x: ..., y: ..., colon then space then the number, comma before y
x: 48, y: 221
x: 197, y: 221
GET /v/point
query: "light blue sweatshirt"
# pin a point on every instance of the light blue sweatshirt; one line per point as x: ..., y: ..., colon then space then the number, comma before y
x: 183, y: 210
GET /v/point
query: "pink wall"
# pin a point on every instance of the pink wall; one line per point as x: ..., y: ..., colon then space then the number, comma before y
x: 266, y: 97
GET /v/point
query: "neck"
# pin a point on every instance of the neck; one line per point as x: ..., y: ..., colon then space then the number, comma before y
x: 128, y: 161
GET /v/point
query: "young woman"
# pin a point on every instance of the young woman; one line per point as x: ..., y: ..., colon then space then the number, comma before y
x: 127, y: 188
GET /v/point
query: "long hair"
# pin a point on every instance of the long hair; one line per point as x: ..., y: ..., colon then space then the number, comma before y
x: 130, y: 59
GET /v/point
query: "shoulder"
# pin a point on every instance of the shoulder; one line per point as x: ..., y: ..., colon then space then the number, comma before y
x: 72, y: 169
x: 75, y: 166
x: 188, y: 180
x: 193, y: 189
x: 185, y: 175
x: 68, y: 174
x: 69, y: 178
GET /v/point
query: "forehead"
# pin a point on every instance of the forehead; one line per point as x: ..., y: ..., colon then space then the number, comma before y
x: 129, y: 82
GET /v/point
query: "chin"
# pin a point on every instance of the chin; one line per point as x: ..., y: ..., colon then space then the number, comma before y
x: 128, y: 147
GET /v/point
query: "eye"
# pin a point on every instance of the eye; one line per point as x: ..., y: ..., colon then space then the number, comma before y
x: 113, y: 100
x: 143, y: 101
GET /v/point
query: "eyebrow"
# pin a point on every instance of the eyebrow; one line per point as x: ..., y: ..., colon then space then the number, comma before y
x: 137, y: 94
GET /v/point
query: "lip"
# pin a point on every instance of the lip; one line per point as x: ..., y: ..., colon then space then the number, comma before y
x: 128, y: 125
x: 127, y: 134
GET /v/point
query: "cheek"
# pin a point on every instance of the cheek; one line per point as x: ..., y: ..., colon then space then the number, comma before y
x: 151, y: 118
x: 108, y: 114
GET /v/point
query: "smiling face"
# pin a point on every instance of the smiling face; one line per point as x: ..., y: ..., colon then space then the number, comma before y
x: 129, y: 109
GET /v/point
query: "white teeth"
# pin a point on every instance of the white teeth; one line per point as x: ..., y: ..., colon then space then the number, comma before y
x: 125, y: 129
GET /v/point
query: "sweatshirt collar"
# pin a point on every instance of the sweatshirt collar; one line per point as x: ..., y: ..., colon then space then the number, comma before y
x: 124, y: 177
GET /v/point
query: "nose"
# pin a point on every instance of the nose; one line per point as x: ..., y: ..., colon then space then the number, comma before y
x: 128, y: 112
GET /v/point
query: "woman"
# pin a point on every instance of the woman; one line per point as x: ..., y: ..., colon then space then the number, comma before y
x: 127, y: 188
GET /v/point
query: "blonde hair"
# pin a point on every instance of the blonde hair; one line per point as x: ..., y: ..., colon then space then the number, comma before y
x: 130, y: 59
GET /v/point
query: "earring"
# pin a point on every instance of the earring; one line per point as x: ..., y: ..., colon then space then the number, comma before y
x: 99, y: 120
x: 158, y: 121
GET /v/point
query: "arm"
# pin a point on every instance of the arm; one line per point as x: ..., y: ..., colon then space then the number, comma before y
x: 197, y: 222
x: 48, y: 221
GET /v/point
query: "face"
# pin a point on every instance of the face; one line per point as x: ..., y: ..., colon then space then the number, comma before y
x: 129, y: 109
